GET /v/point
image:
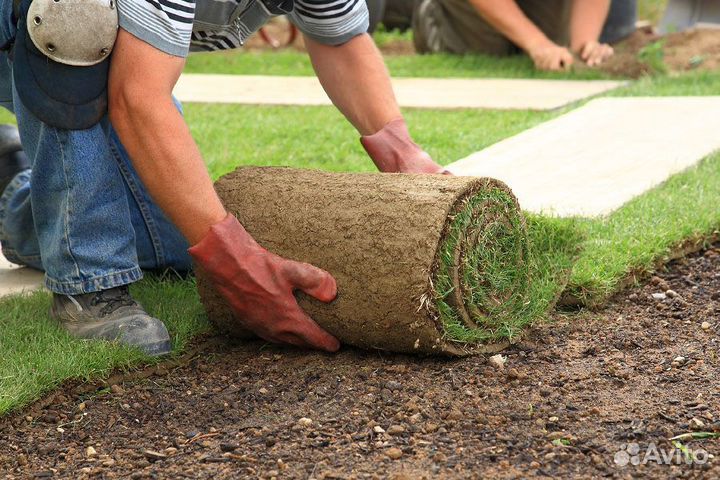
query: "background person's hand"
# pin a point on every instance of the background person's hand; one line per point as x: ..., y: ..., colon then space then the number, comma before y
x: 258, y: 285
x: 594, y: 53
x: 551, y: 57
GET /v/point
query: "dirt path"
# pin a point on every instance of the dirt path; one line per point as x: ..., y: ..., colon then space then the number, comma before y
x: 601, y: 383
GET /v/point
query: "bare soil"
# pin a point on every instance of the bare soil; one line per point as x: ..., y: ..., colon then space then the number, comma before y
x: 679, y: 52
x: 639, y: 372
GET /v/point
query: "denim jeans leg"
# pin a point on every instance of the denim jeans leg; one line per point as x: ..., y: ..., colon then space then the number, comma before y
x: 79, y: 207
x: 620, y: 22
x: 160, y: 245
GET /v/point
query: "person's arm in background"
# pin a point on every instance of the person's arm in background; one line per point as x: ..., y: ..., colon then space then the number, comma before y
x: 586, y: 24
x: 507, y: 18
x: 355, y: 78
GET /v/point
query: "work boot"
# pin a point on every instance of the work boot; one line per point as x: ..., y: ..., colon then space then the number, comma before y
x: 12, y: 157
x: 111, y: 315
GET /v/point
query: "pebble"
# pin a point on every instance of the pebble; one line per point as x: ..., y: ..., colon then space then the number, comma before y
x: 378, y: 429
x: 395, y: 430
x: 90, y: 452
x: 553, y: 419
x: 305, y: 422
x: 498, y: 361
x: 117, y: 389
x: 263, y: 391
x: 29, y: 418
x: 153, y: 456
x: 659, y: 296
x: 392, y: 385
x: 705, y: 325
x: 671, y: 293
x: 678, y: 361
x: 696, y: 424
x: 440, y: 457
x: 394, y: 453
x: 81, y: 406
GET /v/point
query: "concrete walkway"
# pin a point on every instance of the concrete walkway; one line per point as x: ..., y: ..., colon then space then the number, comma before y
x: 411, y: 92
x: 592, y: 160
x: 14, y: 279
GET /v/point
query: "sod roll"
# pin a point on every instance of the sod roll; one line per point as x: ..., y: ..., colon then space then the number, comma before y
x: 424, y: 263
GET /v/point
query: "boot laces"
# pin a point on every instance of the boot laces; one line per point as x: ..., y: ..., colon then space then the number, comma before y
x: 113, y: 299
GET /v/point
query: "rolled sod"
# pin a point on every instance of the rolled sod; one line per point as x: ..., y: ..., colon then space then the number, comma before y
x: 424, y: 263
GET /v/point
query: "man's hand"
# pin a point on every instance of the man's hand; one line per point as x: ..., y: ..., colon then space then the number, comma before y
x: 594, y: 53
x: 393, y: 151
x: 550, y: 57
x: 258, y: 285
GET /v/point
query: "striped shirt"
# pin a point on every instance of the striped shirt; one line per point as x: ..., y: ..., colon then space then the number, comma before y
x: 179, y: 26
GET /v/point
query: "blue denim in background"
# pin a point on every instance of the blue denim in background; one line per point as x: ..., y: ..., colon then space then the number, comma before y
x: 81, y: 214
x: 620, y: 22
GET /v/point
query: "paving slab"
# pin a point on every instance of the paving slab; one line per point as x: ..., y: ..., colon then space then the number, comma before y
x: 15, y: 279
x: 411, y: 92
x: 592, y: 160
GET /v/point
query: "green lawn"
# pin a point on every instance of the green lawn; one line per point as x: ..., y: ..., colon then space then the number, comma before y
x: 37, y: 356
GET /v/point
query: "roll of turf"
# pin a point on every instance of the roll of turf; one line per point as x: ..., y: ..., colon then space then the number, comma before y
x: 424, y: 263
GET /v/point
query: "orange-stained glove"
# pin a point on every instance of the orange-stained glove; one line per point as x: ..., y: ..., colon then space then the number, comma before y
x: 393, y: 151
x: 258, y: 285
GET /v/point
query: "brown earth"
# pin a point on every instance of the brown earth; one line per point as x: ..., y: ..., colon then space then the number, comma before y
x: 638, y: 372
x: 383, y: 253
x: 678, y: 52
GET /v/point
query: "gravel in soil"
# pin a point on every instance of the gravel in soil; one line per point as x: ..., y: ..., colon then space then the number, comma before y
x: 569, y: 401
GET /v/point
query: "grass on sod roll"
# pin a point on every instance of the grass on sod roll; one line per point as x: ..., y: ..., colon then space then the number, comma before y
x: 505, y: 271
x: 37, y: 356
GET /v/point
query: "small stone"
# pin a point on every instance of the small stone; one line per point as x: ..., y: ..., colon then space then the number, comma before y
x: 393, y: 386
x: 659, y: 296
x: 696, y: 424
x: 60, y: 429
x: 550, y: 456
x: 378, y: 429
x: 395, y: 430
x: 86, y: 470
x: 29, y: 418
x: 394, y: 453
x: 678, y: 361
x: 705, y: 325
x: 671, y: 293
x: 305, y: 422
x: 229, y: 447
x: 117, y: 389
x: 498, y: 361
x: 108, y: 463
x: 553, y: 419
x: 171, y: 450
x: 263, y: 391
x: 90, y: 452
x: 154, y: 456
x: 81, y: 406
x: 440, y: 457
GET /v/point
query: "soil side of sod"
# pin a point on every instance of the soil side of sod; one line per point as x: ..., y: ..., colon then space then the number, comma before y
x: 571, y: 395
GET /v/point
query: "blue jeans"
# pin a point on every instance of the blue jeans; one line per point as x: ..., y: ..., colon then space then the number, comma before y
x: 81, y: 214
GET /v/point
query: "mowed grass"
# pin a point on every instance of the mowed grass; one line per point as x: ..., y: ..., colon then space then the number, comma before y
x: 37, y: 356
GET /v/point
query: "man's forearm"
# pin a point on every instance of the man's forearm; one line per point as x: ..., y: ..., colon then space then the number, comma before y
x: 169, y: 164
x: 357, y: 81
x: 507, y: 18
x: 586, y: 21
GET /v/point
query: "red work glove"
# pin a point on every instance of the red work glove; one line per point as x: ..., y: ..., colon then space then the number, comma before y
x: 393, y: 151
x: 259, y: 285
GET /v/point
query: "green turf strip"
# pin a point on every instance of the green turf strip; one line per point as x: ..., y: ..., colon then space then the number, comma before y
x: 37, y: 356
